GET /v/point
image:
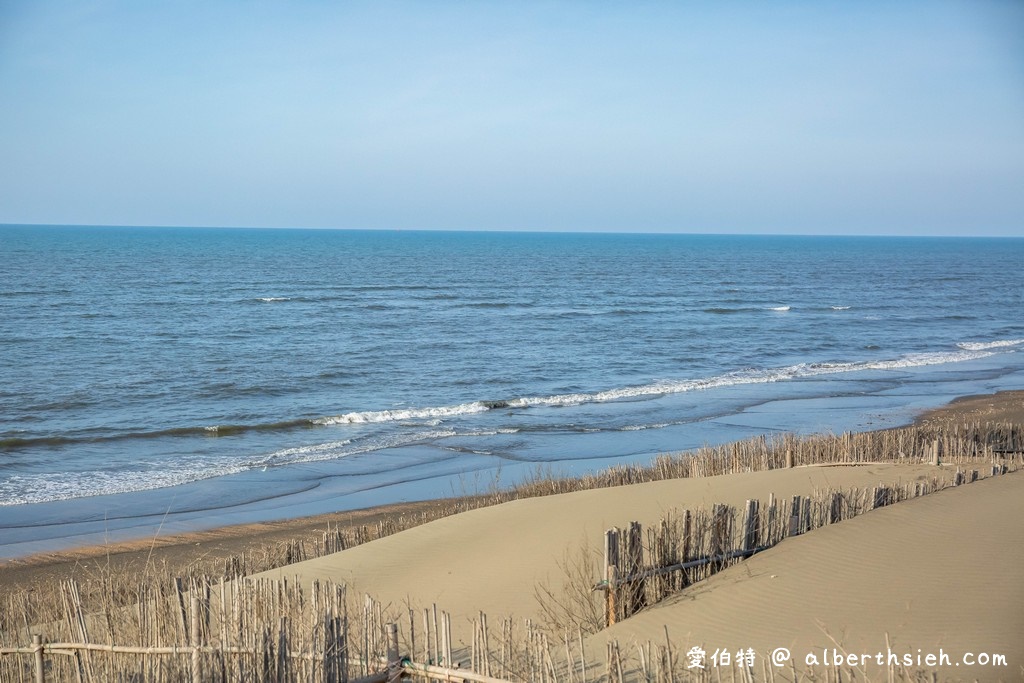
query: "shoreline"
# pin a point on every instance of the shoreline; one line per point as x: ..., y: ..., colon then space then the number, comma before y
x: 429, y: 469
x: 183, y: 551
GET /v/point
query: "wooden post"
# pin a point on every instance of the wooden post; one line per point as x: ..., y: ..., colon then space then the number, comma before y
x: 611, y: 549
x: 448, y: 641
x: 687, y: 526
x: 611, y: 573
x: 284, y: 662
x: 835, y: 510
x: 611, y: 607
x: 935, y: 452
x: 394, y: 660
x: 789, y: 458
x: 437, y: 638
x: 794, y: 517
x: 751, y: 526
x: 37, y: 644
x: 180, y: 590
x: 446, y: 655
x: 974, y: 476
x: 635, y: 550
x: 197, y: 672
x: 721, y: 516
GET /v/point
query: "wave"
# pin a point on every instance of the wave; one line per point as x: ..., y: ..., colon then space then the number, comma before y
x: 640, y: 428
x: 434, y: 416
x: 983, y: 346
x: 270, y: 299
x: 15, y: 443
x: 749, y: 376
x: 500, y: 305
x: 840, y: 308
x: 373, y: 416
x: 725, y: 310
x: 32, y: 488
x: 346, y: 448
x: 732, y: 310
x: 662, y: 388
x: 46, y: 487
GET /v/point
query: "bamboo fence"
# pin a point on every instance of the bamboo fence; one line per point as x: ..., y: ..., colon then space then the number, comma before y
x: 217, y: 627
x: 688, y: 546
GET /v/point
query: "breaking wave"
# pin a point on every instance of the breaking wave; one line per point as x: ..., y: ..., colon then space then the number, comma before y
x: 665, y: 387
x: 983, y: 346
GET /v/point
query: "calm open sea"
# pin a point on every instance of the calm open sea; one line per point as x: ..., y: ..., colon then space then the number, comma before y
x: 197, y: 377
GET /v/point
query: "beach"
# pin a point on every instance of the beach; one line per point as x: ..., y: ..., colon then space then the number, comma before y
x: 927, y: 573
x: 366, y: 342
x: 184, y: 550
x: 363, y: 368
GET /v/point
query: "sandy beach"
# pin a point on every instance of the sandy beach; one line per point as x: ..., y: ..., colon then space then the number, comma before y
x: 936, y: 572
x: 930, y: 574
x: 181, y: 551
x: 933, y: 575
x: 471, y: 342
x: 491, y: 559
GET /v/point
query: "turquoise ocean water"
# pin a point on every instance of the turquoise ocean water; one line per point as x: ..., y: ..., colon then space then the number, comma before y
x: 191, y: 377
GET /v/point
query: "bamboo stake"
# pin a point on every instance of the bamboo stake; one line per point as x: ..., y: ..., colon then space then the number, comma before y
x: 197, y: 671
x: 394, y: 669
x: 37, y: 648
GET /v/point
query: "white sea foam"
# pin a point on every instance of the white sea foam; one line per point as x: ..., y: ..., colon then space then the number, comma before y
x: 334, y: 450
x: 981, y: 346
x: 51, y: 486
x: 41, y: 487
x: 44, y: 487
x: 269, y: 299
x: 840, y: 308
x: 781, y: 309
x: 432, y: 422
x: 373, y: 416
x: 301, y: 453
x: 640, y: 428
x: 665, y: 387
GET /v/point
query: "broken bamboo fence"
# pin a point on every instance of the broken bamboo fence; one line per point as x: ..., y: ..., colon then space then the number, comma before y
x: 249, y: 631
x: 690, y: 545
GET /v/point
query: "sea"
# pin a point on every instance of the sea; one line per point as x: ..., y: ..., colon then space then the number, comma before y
x: 161, y: 380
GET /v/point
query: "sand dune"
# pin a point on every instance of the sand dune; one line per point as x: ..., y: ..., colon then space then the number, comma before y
x: 491, y: 559
x: 942, y: 571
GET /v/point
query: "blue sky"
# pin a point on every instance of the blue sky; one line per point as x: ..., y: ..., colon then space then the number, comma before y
x: 749, y: 117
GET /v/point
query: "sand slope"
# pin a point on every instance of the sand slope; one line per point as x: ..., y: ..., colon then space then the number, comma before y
x: 940, y: 571
x: 491, y: 559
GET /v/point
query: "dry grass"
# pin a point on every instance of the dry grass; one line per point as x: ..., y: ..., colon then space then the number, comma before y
x: 280, y: 631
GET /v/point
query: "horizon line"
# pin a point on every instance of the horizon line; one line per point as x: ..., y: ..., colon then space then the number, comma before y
x: 525, y: 231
